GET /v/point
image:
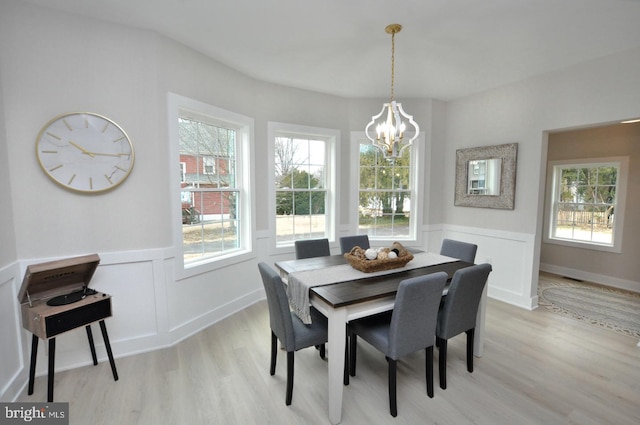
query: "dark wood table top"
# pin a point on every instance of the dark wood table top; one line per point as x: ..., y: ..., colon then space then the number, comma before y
x: 367, y: 288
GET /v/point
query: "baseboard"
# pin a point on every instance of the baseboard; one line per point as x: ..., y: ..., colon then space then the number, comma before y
x: 628, y: 285
x: 196, y: 325
x: 512, y: 298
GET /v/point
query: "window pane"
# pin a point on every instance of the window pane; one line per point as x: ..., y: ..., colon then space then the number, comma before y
x: 385, y: 194
x: 586, y: 204
x: 209, y: 196
x: 285, y: 228
x: 301, y: 182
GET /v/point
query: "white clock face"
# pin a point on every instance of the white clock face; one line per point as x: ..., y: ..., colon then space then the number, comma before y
x: 85, y: 152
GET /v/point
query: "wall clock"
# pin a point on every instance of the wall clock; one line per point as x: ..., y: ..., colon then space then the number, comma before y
x: 85, y: 152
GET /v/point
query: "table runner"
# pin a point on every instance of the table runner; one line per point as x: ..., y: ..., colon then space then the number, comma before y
x: 299, y: 283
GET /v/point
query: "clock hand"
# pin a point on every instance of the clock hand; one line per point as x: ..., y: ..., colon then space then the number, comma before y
x: 91, y: 154
x: 109, y: 154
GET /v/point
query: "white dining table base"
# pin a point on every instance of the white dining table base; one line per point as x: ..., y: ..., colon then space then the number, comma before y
x: 339, y: 317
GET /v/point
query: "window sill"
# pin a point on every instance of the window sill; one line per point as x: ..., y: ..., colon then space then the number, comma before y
x: 584, y: 245
x: 211, y: 264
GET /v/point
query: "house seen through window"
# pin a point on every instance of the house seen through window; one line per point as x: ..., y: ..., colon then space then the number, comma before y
x: 209, y: 188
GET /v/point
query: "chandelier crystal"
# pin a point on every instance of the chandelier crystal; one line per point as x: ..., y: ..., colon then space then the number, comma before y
x: 388, y: 133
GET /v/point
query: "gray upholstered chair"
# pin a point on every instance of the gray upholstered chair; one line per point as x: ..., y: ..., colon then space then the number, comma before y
x: 287, y: 327
x: 309, y: 248
x: 458, y: 313
x: 408, y: 328
x: 461, y: 250
x: 348, y: 242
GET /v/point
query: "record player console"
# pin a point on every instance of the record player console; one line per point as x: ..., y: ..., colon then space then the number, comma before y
x: 55, y: 298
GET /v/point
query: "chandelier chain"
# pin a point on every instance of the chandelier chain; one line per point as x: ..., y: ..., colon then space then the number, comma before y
x: 393, y: 60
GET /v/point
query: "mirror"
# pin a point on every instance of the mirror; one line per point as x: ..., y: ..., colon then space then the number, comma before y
x: 486, y: 176
x: 483, y: 176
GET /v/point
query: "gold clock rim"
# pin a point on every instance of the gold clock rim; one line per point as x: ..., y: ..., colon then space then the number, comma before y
x: 71, y: 188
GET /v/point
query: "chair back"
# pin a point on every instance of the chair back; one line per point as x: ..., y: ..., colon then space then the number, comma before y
x: 348, y: 242
x: 309, y: 248
x: 415, y: 313
x: 461, y: 250
x: 460, y: 307
x: 279, y: 313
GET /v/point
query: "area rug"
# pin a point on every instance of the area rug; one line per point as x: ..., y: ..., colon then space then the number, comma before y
x: 606, y: 307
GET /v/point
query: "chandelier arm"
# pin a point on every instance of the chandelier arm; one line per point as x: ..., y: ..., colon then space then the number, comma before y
x: 389, y: 132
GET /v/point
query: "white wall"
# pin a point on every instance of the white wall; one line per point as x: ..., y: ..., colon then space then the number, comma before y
x: 7, y: 233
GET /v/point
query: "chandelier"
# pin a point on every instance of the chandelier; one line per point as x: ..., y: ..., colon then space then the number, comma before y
x: 388, y: 136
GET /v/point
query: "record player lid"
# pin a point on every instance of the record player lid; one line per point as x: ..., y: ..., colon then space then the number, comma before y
x: 45, y: 280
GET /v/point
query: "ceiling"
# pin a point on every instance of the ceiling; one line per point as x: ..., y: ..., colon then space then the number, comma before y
x: 447, y: 49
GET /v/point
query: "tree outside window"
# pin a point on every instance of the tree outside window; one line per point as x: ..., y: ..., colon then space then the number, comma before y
x: 384, y: 195
x: 585, y: 208
x: 300, y: 188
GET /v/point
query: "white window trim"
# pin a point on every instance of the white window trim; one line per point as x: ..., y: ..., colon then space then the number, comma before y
x: 417, y: 181
x: 177, y: 104
x: 332, y: 138
x: 621, y: 194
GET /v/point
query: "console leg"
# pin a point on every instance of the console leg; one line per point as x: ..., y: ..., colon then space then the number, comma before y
x: 32, y: 367
x: 92, y: 345
x: 105, y: 336
x: 52, y: 363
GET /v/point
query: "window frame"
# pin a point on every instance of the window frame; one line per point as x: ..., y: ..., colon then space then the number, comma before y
x: 332, y: 139
x: 179, y: 106
x: 416, y: 177
x: 554, y: 169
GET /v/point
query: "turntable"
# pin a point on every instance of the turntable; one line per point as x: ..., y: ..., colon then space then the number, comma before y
x: 55, y: 298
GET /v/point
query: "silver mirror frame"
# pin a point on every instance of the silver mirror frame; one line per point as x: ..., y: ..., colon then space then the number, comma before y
x: 506, y: 199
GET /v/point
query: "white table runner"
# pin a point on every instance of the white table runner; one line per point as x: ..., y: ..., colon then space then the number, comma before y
x: 299, y: 283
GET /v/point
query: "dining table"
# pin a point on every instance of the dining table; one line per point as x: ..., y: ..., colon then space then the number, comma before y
x: 342, y: 294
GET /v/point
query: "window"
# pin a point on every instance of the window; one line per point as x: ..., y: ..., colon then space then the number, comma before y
x: 212, y: 188
x: 303, y: 182
x: 387, y: 197
x: 587, y: 201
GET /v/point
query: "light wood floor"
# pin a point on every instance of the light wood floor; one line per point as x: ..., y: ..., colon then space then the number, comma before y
x: 538, y: 368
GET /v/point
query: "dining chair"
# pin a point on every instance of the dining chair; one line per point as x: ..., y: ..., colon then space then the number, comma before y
x: 408, y: 328
x: 461, y: 250
x: 309, y: 248
x: 458, y: 313
x: 348, y: 242
x: 287, y: 327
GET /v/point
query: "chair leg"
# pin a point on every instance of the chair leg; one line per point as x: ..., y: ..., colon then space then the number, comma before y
x: 345, y: 378
x: 470, y: 338
x: 393, y: 404
x: 442, y: 363
x: 429, y: 370
x: 322, y: 351
x: 274, y: 353
x: 353, y: 344
x: 289, y: 377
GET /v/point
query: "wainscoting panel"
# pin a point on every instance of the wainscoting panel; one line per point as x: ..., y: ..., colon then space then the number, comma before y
x: 510, y: 254
x: 150, y: 311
